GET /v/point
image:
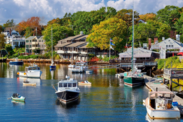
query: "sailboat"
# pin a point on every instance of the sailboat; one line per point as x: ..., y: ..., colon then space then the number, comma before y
x: 52, y: 66
x: 134, y: 78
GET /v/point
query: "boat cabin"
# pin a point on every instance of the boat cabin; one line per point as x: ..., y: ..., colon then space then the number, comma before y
x: 161, y: 100
x: 67, y: 84
x: 32, y: 68
x: 81, y: 63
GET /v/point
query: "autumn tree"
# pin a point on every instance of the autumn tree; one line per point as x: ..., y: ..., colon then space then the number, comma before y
x: 168, y: 15
x: 59, y: 32
x: 9, y: 23
x: 148, y: 16
x: 33, y: 23
x: 2, y: 41
x: 113, y: 28
x: 83, y: 21
x: 126, y: 15
x: 1, y: 28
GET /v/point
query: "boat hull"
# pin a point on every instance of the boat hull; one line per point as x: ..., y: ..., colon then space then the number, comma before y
x: 162, y: 114
x: 134, y: 81
x: 52, y: 67
x: 29, y: 84
x: 18, y: 99
x: 16, y: 63
x: 84, y: 84
x: 33, y: 74
x: 67, y: 96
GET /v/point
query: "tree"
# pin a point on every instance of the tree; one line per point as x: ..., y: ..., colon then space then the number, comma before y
x: 168, y: 15
x: 113, y: 28
x: 148, y: 16
x: 9, y: 23
x: 179, y: 24
x: 126, y: 15
x: 28, y: 32
x: 83, y: 21
x: 1, y: 28
x: 59, y: 32
x: 33, y: 23
x: 2, y: 41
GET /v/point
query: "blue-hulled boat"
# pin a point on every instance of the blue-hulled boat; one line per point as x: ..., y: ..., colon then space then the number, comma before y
x: 16, y: 62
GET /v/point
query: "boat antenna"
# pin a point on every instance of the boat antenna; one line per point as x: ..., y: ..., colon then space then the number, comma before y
x: 133, y: 37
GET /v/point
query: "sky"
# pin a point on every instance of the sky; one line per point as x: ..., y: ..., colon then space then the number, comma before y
x: 48, y: 9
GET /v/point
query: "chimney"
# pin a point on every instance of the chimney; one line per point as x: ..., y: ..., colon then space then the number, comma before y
x: 155, y: 40
x: 149, y: 43
x: 177, y: 37
x: 163, y: 38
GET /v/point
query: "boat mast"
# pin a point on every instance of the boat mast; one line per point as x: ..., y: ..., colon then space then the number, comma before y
x: 133, y: 38
x: 52, y: 44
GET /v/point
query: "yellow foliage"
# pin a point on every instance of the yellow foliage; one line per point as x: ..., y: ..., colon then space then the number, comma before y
x: 148, y: 16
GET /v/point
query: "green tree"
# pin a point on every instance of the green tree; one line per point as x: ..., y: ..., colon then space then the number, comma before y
x: 113, y: 28
x: 179, y: 24
x: 9, y: 23
x: 1, y: 28
x: 59, y: 32
x: 168, y: 15
x: 83, y: 21
x: 2, y: 41
x: 28, y: 32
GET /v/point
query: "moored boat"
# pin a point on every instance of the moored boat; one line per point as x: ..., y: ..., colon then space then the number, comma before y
x: 16, y: 62
x: 84, y: 83
x: 29, y: 84
x: 160, y: 105
x: 17, y: 97
x: 31, y: 71
x: 68, y: 91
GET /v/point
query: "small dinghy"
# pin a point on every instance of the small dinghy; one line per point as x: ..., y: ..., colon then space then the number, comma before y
x: 17, y: 97
x: 26, y: 83
x: 84, y: 83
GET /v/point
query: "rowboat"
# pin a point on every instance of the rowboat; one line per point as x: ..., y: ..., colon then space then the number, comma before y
x: 29, y: 84
x: 17, y: 97
x: 84, y: 83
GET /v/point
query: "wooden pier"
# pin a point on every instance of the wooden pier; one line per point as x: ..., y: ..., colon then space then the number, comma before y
x: 152, y: 84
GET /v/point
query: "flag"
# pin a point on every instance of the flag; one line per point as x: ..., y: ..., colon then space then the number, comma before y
x: 111, y: 42
x: 111, y: 47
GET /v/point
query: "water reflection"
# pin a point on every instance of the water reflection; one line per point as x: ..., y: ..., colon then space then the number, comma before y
x: 161, y: 120
x: 16, y: 103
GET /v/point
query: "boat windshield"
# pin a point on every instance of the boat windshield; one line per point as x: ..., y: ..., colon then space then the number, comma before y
x: 67, y: 84
x: 33, y: 68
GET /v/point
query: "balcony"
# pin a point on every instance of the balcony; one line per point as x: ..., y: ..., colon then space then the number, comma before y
x: 34, y: 48
x: 33, y: 43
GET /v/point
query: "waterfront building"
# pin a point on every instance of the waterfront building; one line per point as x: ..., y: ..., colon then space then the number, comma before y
x: 14, y: 38
x: 141, y: 55
x: 35, y: 44
x: 74, y: 46
x: 169, y: 47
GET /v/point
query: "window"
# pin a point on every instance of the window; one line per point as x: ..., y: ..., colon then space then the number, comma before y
x: 166, y: 45
x: 65, y: 84
x: 30, y: 46
x: 74, y: 84
x: 69, y: 84
x: 30, y: 40
x: 27, y: 40
x: 60, y: 84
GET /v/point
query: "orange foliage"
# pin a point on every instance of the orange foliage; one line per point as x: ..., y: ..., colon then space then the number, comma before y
x: 57, y: 20
x: 32, y: 22
x: 148, y: 16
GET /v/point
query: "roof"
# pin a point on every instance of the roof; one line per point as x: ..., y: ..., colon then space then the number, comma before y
x: 82, y: 37
x: 64, y: 44
x: 138, y: 52
x: 32, y: 37
x: 76, y: 44
x: 77, y: 37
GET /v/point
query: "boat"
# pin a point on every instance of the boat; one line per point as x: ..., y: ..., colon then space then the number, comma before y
x: 160, y: 105
x: 68, y: 90
x: 31, y: 71
x: 52, y: 66
x: 80, y: 67
x: 16, y: 62
x: 17, y: 97
x: 134, y: 78
x: 26, y: 83
x: 84, y: 83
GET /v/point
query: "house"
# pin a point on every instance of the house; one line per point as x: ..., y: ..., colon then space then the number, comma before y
x: 170, y: 46
x: 14, y: 38
x: 74, y: 47
x: 35, y: 44
x: 141, y: 55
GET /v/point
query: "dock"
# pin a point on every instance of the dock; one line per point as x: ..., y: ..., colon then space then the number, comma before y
x: 152, y: 84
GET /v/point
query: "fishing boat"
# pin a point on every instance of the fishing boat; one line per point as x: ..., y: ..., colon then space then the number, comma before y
x: 52, y: 66
x: 84, y: 83
x: 134, y: 78
x: 160, y: 105
x: 68, y: 90
x: 17, y: 97
x: 16, y: 62
x: 31, y: 71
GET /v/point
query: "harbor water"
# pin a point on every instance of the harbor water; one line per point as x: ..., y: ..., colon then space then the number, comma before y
x: 106, y: 100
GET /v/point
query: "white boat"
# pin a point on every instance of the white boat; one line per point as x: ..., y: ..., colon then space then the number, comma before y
x: 31, y: 71
x: 68, y: 90
x: 84, y: 83
x: 71, y: 66
x: 160, y: 105
x: 79, y: 67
